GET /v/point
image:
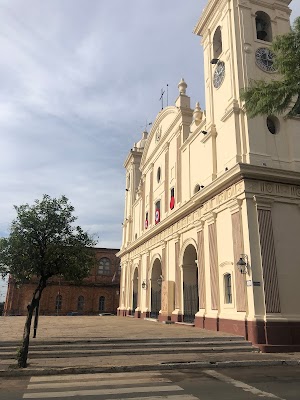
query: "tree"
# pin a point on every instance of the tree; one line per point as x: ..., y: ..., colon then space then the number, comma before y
x: 44, y: 242
x: 283, y: 95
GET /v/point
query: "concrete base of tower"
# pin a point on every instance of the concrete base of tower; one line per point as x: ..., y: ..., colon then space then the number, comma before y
x: 269, y: 336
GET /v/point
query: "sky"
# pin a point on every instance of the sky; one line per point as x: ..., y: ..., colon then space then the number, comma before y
x: 79, y: 80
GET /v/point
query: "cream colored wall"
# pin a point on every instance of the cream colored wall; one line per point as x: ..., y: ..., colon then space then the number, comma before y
x: 286, y: 230
x: 158, y: 187
x: 226, y: 262
x: 162, y: 125
x: 137, y: 219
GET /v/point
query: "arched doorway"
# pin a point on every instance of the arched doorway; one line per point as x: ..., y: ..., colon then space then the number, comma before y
x: 156, y: 281
x: 190, y: 284
x: 135, y: 289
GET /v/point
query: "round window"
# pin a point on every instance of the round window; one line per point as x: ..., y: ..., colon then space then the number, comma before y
x: 273, y: 125
x: 158, y: 174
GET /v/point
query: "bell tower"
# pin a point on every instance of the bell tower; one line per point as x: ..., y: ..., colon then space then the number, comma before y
x: 236, y: 37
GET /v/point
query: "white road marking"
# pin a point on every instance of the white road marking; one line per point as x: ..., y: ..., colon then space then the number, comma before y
x: 171, y: 397
x: 98, y: 382
x: 78, y: 377
x: 99, y: 392
x: 241, y: 385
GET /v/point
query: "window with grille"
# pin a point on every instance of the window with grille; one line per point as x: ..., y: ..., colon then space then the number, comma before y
x: 228, y: 289
x: 104, y: 266
x: 102, y: 303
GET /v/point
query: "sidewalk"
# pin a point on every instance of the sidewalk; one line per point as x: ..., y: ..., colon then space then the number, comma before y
x: 71, y: 330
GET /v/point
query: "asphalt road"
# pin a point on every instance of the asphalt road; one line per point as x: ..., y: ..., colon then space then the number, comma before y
x: 281, y: 383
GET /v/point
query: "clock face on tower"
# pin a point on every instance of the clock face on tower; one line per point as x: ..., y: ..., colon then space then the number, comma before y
x: 219, y: 74
x: 265, y: 59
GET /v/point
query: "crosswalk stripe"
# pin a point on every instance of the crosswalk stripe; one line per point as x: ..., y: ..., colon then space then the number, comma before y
x: 93, y: 383
x: 118, y: 375
x: 171, y: 397
x: 148, y: 389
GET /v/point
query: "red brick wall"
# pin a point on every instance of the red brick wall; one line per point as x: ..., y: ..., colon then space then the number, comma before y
x: 91, y: 289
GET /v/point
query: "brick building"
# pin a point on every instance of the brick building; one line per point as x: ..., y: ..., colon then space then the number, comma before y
x: 99, y: 293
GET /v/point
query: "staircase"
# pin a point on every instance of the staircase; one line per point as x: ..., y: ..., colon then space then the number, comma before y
x: 130, y: 347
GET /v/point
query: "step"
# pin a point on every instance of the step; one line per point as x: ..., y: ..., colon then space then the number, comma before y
x: 34, y: 342
x: 131, y: 352
x: 92, y: 346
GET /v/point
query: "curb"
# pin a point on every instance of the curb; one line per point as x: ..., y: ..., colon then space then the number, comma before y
x: 153, y: 367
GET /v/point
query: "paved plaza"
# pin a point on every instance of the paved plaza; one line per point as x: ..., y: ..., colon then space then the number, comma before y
x: 97, y: 327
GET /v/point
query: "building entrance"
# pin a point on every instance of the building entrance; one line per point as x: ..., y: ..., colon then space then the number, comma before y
x: 156, y: 281
x: 190, y: 284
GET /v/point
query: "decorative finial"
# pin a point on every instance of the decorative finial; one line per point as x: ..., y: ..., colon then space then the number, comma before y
x: 198, y: 114
x: 182, y: 86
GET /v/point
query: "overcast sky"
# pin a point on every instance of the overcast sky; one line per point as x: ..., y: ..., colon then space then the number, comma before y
x: 79, y: 79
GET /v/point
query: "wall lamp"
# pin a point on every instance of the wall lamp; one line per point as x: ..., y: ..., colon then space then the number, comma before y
x: 204, y: 132
x: 144, y: 285
x: 127, y: 190
x: 243, y: 264
x: 215, y: 61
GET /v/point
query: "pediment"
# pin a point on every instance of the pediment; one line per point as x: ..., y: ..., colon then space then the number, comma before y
x: 161, y: 127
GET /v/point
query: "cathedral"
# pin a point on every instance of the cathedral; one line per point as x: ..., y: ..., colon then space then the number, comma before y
x: 211, y: 231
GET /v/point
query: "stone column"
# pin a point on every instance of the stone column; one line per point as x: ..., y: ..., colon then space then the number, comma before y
x: 268, y: 258
x: 201, y: 269
x: 238, y: 249
x: 214, y: 273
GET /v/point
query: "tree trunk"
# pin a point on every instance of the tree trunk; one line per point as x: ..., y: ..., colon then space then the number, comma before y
x: 23, y: 351
x: 36, y: 318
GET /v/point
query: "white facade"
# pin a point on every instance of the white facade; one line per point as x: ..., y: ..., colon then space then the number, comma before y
x: 206, y: 189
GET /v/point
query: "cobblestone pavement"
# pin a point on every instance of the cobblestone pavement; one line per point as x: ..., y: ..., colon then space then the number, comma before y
x: 96, y: 327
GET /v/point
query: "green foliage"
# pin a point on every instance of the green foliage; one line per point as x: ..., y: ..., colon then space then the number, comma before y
x: 43, y: 242
x: 283, y: 95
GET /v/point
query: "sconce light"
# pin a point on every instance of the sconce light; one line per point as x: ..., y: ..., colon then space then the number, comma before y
x: 215, y: 61
x: 204, y: 132
x: 127, y: 190
x: 242, y: 264
x: 144, y: 285
x: 159, y: 280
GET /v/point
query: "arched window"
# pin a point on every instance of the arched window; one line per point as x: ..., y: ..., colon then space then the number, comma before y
x: 104, y: 266
x: 217, y: 42
x: 228, y: 288
x: 80, y: 303
x: 58, y: 302
x: 263, y: 26
x: 102, y: 303
x: 157, y: 212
